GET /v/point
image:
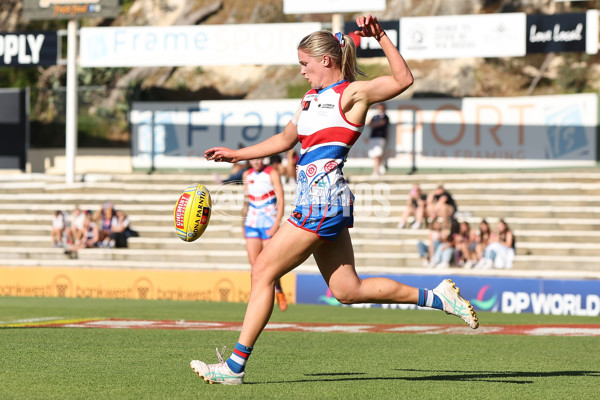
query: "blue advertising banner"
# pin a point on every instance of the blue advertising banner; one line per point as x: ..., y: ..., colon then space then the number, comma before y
x: 506, y: 295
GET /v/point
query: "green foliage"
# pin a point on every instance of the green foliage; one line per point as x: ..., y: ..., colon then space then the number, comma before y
x: 13, y: 77
x: 574, y: 73
x: 297, y: 90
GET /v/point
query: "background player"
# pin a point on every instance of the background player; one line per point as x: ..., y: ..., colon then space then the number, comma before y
x: 263, y: 208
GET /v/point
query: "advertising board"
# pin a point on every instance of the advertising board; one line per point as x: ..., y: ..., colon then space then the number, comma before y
x: 134, y: 283
x: 28, y: 49
x: 536, y: 131
x: 69, y: 9
x: 559, y: 33
x: 160, y: 46
x: 486, y: 35
x: 14, y: 128
x: 505, y: 295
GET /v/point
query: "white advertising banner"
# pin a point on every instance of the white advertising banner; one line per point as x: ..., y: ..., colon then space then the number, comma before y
x: 487, y: 35
x: 515, y: 132
x: 331, y: 6
x: 161, y: 46
x: 500, y: 132
x: 183, y: 131
x: 592, y: 45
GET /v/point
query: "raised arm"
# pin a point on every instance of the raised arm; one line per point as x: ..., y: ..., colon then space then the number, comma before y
x: 363, y: 94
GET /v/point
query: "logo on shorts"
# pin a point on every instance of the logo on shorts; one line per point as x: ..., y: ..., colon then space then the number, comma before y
x: 311, y: 170
x: 297, y: 215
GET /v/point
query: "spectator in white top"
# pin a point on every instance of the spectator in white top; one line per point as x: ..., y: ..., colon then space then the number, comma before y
x: 58, y: 228
x: 75, y: 228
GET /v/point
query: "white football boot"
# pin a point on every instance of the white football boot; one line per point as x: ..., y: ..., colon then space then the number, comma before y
x: 455, y: 304
x: 217, y: 373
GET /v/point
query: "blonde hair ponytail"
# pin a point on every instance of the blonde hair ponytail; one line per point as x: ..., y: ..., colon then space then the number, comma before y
x: 342, y: 52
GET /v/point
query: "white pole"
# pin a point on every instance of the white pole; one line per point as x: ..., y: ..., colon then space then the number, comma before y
x: 337, y: 23
x: 71, y: 117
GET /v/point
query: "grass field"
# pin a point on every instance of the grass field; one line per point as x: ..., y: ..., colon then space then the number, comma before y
x: 75, y: 363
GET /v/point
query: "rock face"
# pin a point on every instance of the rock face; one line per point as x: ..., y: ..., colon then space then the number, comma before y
x: 455, y: 77
x: 10, y: 10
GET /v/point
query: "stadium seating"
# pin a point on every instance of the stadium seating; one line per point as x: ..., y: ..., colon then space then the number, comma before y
x: 555, y: 216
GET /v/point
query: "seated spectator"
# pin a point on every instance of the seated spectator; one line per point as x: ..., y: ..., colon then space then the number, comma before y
x: 466, y: 243
x: 442, y: 257
x: 483, y: 239
x: 427, y: 250
x: 58, y: 228
x: 76, y: 224
x: 500, y: 253
x: 103, y: 217
x: 415, y: 206
x: 440, y: 204
x: 89, y: 236
x: 119, y: 227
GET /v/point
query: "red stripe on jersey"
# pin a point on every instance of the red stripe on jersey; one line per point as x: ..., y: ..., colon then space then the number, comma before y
x: 263, y: 197
x: 328, y: 135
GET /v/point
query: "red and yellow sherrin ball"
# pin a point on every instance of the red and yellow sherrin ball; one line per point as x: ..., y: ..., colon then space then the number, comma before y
x: 192, y: 212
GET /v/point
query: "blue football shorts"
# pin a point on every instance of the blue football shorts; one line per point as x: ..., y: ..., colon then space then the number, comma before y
x: 325, y: 220
x: 251, y: 232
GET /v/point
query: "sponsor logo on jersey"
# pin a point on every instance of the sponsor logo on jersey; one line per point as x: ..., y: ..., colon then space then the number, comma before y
x: 329, y: 106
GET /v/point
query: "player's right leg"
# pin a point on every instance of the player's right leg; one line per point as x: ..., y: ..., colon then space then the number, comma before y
x: 288, y: 248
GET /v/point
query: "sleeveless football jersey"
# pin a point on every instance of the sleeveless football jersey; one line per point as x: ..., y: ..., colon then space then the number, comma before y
x: 326, y: 137
x: 262, y: 209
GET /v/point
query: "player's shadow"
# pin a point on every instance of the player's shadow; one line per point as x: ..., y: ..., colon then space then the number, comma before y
x: 517, y: 377
x: 512, y: 377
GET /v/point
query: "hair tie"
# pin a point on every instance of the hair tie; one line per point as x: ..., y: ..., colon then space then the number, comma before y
x: 340, y: 38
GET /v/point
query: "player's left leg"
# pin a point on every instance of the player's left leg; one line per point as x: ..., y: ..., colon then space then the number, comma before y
x: 336, y: 263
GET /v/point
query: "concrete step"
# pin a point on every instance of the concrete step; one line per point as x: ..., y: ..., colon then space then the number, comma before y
x: 30, y: 233
x: 33, y: 233
x: 149, y: 223
x: 122, y: 190
x: 179, y: 259
x: 581, y: 175
x: 162, y: 246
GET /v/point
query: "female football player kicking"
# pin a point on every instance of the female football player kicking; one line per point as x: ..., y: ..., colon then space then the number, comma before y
x: 262, y: 213
x: 328, y: 122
